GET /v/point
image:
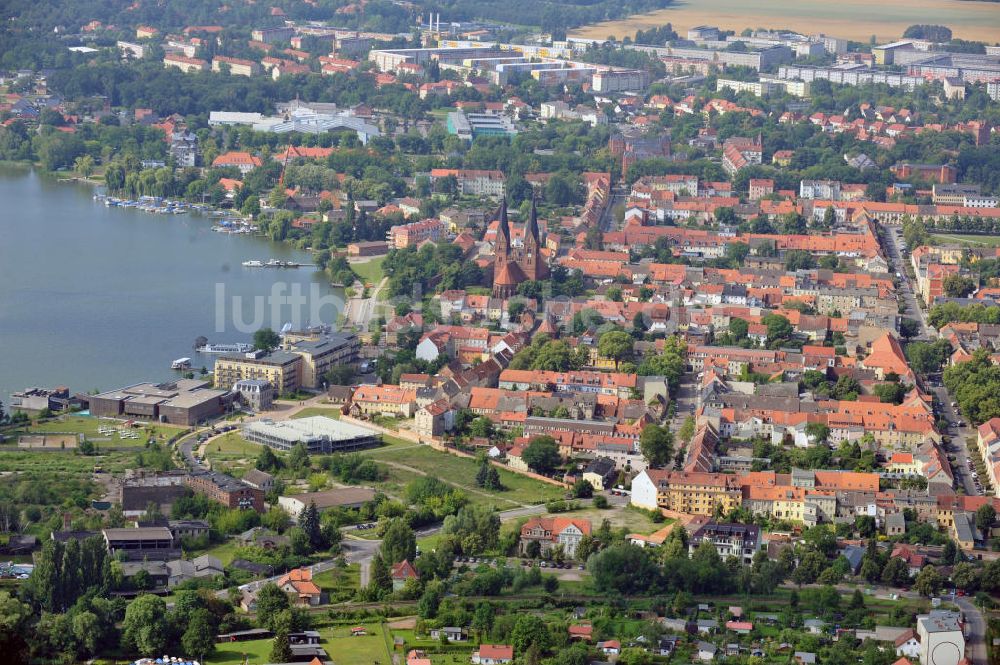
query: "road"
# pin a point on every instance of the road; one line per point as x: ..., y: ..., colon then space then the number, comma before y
x: 975, y: 638
x: 893, y: 247
x: 687, y: 403
x: 360, y: 311
x: 957, y: 450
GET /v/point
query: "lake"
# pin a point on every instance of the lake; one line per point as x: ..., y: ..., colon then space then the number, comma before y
x: 93, y: 297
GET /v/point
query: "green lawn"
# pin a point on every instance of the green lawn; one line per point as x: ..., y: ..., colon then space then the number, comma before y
x: 370, y: 648
x: 461, y: 471
x: 982, y: 241
x: 89, y: 426
x: 370, y: 272
x: 232, y: 653
x: 340, y: 584
x: 328, y: 411
x: 231, y: 452
x: 224, y: 552
x: 619, y: 516
x: 337, y: 640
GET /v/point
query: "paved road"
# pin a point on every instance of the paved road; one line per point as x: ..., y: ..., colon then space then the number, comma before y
x: 959, y: 437
x: 975, y: 638
x: 893, y: 247
x: 360, y: 311
x: 687, y: 403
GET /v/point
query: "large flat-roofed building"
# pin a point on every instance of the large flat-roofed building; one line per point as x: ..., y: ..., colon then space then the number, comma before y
x: 154, y: 543
x: 282, y: 369
x: 319, y: 434
x: 322, y: 355
x: 343, y: 497
x: 184, y: 402
x: 227, y: 490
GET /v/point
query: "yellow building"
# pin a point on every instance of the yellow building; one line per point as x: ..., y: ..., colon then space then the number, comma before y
x: 281, y: 369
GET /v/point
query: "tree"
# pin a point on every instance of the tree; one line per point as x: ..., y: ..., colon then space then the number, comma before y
x: 657, y: 445
x: 738, y: 328
x: 271, y: 601
x: 14, y: 618
x: 266, y: 339
x: 928, y: 581
x: 909, y: 328
x: 896, y: 572
x: 84, y: 165
x: 281, y: 650
x: 818, y: 432
x: 309, y: 523
x: 398, y: 542
x: 529, y: 631
x: 582, y: 489
x: 958, y: 286
x: 616, y: 345
x: 298, y: 458
x: 145, y: 627
x: 381, y: 580
x: 985, y: 516
x: 542, y: 455
x: 779, y: 329
x: 199, y: 637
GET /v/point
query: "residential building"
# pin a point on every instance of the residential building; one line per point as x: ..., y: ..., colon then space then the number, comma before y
x: 552, y: 531
x: 299, y: 586
x: 235, y: 66
x: 321, y: 355
x: 255, y: 394
x: 385, y: 400
x: 493, y: 654
x: 184, y: 63
x: 401, y: 572
x: 415, y: 233
x: 601, y: 473
x: 741, y: 541
x: 282, y: 369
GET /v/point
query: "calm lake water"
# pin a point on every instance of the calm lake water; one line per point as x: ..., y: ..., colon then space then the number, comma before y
x: 96, y: 297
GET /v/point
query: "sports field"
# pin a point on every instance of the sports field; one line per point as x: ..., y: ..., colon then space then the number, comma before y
x: 850, y: 19
x: 974, y: 240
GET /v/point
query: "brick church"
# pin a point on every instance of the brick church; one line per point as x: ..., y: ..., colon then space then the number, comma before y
x: 513, y: 265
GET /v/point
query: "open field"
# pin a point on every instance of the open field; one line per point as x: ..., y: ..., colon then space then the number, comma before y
x: 370, y: 271
x: 980, y: 241
x: 329, y: 412
x: 460, y: 471
x: 90, y: 426
x: 850, y: 19
x: 48, y: 462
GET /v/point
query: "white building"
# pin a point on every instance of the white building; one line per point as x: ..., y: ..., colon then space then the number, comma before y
x: 941, y: 638
x: 644, y: 491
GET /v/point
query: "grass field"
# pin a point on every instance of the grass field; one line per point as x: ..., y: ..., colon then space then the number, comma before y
x: 370, y: 272
x: 979, y: 241
x: 329, y: 412
x: 850, y: 19
x: 459, y: 471
x: 57, y: 462
x: 89, y: 427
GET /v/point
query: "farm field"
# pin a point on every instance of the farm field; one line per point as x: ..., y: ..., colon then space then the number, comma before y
x: 976, y: 240
x: 851, y: 19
